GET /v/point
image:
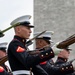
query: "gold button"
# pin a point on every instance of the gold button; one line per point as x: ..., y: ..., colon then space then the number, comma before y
x: 30, y: 68
x: 23, y: 40
x: 66, y: 67
x: 62, y: 68
x: 65, y: 60
x: 70, y: 66
x: 46, y: 53
x: 42, y: 55
x: 51, y: 52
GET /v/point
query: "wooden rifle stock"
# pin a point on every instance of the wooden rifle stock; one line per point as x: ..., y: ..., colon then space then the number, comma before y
x: 66, y: 43
x: 3, y: 60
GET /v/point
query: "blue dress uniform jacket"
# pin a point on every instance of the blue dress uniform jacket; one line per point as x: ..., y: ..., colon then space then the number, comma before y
x: 20, y: 59
x: 58, y: 68
x: 72, y: 73
x: 38, y: 70
x: 4, y: 73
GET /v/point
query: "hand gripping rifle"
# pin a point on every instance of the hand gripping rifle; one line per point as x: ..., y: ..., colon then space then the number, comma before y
x: 66, y: 43
x: 1, y: 32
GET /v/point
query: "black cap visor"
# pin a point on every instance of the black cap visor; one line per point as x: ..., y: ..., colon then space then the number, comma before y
x: 26, y: 23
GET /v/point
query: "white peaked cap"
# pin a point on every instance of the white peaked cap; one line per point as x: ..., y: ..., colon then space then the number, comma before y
x: 46, y: 34
x: 3, y: 45
x: 21, y: 19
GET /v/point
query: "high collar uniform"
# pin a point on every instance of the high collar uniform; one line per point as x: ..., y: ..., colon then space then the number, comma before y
x: 21, y: 59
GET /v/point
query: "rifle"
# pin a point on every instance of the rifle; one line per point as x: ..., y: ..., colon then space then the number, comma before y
x: 29, y: 42
x: 71, y: 60
x: 61, y: 45
x: 1, y: 32
x: 37, y: 51
x: 66, y: 43
x: 3, y: 60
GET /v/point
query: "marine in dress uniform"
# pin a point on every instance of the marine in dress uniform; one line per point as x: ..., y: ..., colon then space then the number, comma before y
x: 4, y: 69
x: 20, y: 60
x: 61, y: 66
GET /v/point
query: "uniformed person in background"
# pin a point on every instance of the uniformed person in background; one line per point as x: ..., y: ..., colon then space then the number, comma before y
x: 20, y: 60
x: 4, y: 69
x: 49, y: 66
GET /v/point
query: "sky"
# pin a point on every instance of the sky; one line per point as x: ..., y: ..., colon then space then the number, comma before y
x: 10, y: 10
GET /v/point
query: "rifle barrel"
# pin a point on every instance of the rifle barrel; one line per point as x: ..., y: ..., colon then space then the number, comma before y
x: 38, y: 35
x: 9, y: 28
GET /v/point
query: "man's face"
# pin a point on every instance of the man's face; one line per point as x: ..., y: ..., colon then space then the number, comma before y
x: 2, y: 54
x: 40, y: 43
x: 24, y: 31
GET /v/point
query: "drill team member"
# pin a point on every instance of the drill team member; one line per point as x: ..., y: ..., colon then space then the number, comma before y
x: 60, y: 67
x: 20, y: 60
